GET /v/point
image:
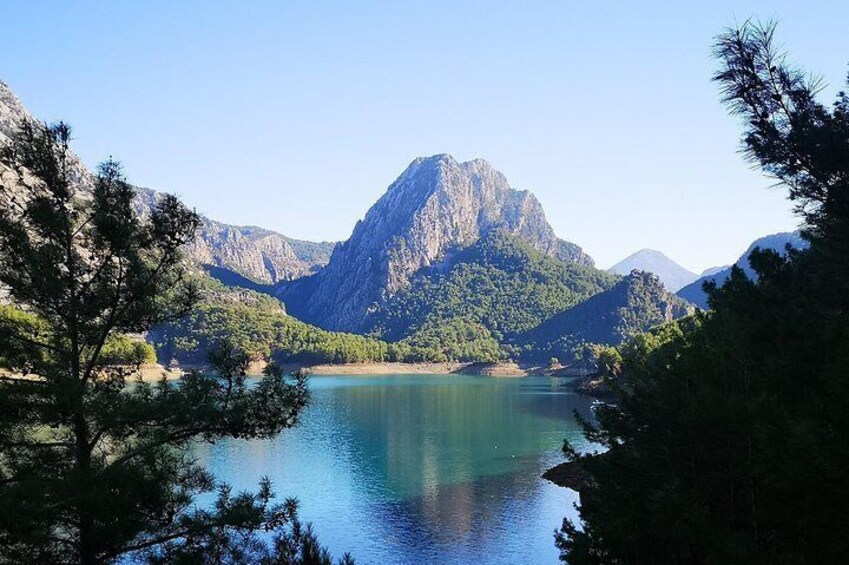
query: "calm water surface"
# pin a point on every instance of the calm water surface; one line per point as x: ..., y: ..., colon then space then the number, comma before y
x: 421, y: 469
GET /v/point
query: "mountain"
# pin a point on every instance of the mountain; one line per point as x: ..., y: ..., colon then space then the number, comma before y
x: 777, y: 242
x: 636, y: 303
x: 671, y: 274
x: 256, y: 253
x: 713, y: 270
x: 259, y: 325
x: 501, y: 284
x: 263, y: 256
x: 437, y: 207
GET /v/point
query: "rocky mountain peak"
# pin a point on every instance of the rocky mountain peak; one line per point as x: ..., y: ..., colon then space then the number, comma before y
x: 436, y: 205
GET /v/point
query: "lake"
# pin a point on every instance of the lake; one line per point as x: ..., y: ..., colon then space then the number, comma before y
x: 420, y: 468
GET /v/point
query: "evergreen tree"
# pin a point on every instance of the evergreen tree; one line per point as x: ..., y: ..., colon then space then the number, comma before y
x: 93, y: 466
x: 729, y: 442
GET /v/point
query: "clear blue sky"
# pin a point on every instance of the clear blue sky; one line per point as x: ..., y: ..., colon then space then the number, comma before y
x: 297, y: 115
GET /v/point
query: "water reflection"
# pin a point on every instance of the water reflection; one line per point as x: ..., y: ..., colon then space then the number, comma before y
x: 421, y: 469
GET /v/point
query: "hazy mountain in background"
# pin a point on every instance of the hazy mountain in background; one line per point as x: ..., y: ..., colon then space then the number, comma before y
x: 671, y: 274
x: 777, y: 242
x: 713, y: 270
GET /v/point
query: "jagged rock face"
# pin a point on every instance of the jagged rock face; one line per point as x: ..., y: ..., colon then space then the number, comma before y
x: 255, y: 253
x: 12, y: 115
x: 436, y: 206
x: 261, y: 255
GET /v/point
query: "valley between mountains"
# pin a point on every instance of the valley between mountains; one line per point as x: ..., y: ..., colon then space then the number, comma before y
x: 451, y: 266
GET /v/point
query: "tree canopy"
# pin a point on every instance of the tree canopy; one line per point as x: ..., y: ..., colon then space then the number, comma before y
x: 729, y: 438
x: 94, y: 466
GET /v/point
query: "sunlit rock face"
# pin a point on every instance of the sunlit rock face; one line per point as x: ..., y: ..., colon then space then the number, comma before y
x: 436, y: 206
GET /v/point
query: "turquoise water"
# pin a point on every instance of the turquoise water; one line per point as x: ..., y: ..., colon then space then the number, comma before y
x: 421, y: 469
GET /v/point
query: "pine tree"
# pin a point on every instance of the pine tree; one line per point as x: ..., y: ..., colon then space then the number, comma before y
x: 93, y: 464
x: 729, y: 440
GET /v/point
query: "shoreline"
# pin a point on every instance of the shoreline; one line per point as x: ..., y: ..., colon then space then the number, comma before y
x: 501, y: 369
x: 508, y: 370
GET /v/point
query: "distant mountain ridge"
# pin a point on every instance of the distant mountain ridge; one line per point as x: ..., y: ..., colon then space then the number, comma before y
x: 436, y: 207
x: 713, y: 270
x: 777, y: 242
x: 671, y: 274
x: 258, y: 254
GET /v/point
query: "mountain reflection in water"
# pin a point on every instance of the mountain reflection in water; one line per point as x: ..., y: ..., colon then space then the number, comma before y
x: 404, y: 469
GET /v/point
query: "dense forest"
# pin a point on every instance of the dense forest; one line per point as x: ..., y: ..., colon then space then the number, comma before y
x: 257, y: 324
x: 728, y: 441
x: 498, y: 299
x: 636, y: 303
x: 500, y: 282
x: 501, y: 298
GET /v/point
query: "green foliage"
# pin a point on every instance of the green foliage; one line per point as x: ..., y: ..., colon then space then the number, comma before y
x: 263, y: 333
x: 258, y: 325
x: 645, y: 348
x: 293, y: 543
x: 729, y: 442
x: 93, y: 467
x: 635, y: 304
x: 26, y: 331
x: 500, y: 284
x: 608, y: 359
x: 122, y: 350
x: 118, y: 349
x: 455, y: 339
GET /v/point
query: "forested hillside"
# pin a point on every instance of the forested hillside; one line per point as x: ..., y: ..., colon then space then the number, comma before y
x: 258, y: 324
x: 500, y: 283
x: 636, y: 303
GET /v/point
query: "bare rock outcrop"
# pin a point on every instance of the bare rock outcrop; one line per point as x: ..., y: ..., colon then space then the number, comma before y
x: 436, y: 206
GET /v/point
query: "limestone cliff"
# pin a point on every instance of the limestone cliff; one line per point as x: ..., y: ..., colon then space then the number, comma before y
x: 438, y: 205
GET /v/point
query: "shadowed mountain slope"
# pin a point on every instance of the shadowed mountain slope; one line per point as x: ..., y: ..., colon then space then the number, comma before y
x: 777, y: 242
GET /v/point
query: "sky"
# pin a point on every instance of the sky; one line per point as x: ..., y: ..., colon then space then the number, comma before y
x: 296, y: 116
